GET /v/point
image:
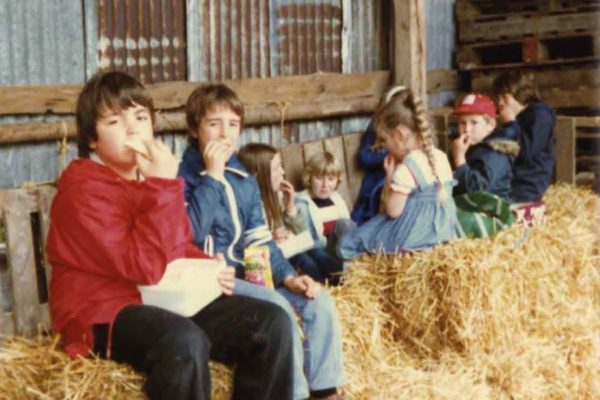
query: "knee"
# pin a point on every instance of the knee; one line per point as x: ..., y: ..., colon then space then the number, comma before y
x: 321, y: 308
x: 277, y: 324
x: 186, y: 341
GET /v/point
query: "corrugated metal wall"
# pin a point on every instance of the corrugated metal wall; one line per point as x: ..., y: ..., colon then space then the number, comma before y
x: 65, y: 41
x: 41, y: 42
x: 145, y: 38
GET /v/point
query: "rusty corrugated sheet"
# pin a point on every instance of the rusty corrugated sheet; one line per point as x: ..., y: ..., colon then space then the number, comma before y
x: 143, y: 37
x: 309, y: 36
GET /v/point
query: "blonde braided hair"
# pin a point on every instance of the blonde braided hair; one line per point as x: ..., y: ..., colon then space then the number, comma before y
x: 404, y: 108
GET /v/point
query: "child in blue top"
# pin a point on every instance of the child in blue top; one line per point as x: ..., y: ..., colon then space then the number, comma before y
x: 483, y: 154
x: 371, y: 154
x: 370, y: 158
x: 532, y: 121
x: 419, y: 210
x: 225, y: 208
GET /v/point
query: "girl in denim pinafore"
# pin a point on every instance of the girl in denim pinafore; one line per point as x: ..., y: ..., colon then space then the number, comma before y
x: 418, y: 210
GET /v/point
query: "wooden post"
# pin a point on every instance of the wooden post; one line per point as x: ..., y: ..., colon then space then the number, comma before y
x: 409, y: 46
x: 564, y: 136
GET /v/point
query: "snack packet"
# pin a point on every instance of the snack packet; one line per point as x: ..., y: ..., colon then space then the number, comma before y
x: 257, y: 266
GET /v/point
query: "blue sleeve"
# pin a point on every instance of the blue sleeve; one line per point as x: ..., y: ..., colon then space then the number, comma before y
x: 534, y: 139
x: 472, y: 178
x: 510, y: 131
x: 203, y: 202
x: 257, y: 233
x: 367, y: 158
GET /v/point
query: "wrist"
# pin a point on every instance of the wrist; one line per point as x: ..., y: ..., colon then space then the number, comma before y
x: 292, y: 211
x: 459, y: 161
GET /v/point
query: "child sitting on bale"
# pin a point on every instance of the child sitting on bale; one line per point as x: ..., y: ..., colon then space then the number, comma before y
x: 532, y: 122
x: 419, y: 211
x: 327, y: 216
x: 116, y: 224
x: 483, y: 157
x: 226, y: 211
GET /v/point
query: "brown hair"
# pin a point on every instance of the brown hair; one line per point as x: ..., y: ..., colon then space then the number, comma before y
x: 256, y: 158
x: 321, y: 164
x: 520, y: 84
x: 105, y: 91
x: 405, y: 108
x: 206, y: 98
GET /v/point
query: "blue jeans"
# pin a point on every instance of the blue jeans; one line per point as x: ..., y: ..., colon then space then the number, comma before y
x: 318, y: 363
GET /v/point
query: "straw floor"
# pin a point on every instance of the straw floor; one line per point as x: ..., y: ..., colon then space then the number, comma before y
x: 514, y: 317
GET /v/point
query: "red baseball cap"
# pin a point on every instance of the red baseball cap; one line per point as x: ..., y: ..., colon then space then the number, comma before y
x: 475, y: 103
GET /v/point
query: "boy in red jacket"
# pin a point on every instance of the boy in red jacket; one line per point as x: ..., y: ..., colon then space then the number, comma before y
x: 115, y: 224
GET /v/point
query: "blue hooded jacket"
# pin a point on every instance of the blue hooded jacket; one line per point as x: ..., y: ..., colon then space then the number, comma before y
x: 227, y: 216
x: 489, y: 165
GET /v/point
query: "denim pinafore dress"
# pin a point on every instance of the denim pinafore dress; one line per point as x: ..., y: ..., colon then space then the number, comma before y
x: 424, y: 222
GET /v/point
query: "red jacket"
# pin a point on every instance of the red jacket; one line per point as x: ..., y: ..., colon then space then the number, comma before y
x: 108, y: 235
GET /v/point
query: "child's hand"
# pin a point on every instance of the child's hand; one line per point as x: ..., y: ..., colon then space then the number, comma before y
x: 226, y: 277
x: 161, y: 163
x: 389, y: 166
x: 280, y: 234
x: 506, y: 113
x: 459, y: 148
x: 289, y: 194
x: 215, y: 156
x: 303, y: 284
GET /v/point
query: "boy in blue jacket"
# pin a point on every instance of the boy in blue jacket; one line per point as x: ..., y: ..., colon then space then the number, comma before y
x: 225, y: 208
x: 483, y: 154
x: 532, y: 121
x: 522, y: 112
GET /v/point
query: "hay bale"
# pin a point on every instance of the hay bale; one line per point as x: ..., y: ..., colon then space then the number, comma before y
x: 517, y: 313
x: 515, y: 316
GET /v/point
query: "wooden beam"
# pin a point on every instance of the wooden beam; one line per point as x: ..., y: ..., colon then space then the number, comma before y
x: 61, y: 99
x: 175, y: 121
x: 439, y: 80
x: 564, y: 88
x: 518, y: 26
x: 409, y: 46
x: 564, y: 136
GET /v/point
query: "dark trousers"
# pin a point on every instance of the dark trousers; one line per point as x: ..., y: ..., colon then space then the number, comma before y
x: 319, y: 265
x: 173, y: 351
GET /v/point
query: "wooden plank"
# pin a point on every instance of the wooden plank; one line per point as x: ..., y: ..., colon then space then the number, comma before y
x: 21, y: 260
x: 560, y: 88
x: 312, y: 148
x: 564, y: 135
x: 556, y: 49
x: 409, y: 46
x: 563, y: 78
x: 335, y: 146
x: 293, y: 164
x: 354, y: 171
x: 587, y: 122
x: 45, y: 195
x: 440, y: 80
x: 7, y: 324
x: 61, y: 99
x: 518, y: 26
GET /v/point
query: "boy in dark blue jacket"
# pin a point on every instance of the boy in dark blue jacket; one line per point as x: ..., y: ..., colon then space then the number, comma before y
x: 526, y: 116
x: 483, y: 154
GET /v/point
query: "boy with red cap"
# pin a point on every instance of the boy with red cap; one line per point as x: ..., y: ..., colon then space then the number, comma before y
x: 483, y: 154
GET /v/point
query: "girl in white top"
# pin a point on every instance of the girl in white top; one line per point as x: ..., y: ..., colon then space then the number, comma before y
x: 419, y: 211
